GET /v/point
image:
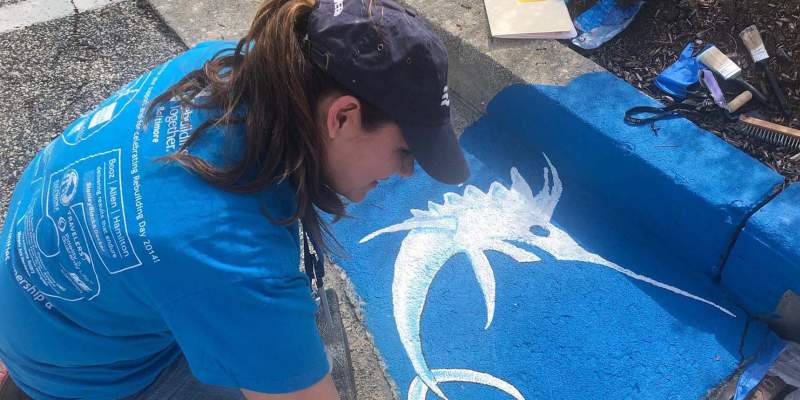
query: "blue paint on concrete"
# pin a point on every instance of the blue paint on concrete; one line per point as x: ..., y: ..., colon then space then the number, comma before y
x: 765, y: 261
x: 684, y: 186
x: 566, y: 329
x: 561, y: 329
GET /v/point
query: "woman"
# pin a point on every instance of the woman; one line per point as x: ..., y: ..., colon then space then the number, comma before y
x: 151, y: 251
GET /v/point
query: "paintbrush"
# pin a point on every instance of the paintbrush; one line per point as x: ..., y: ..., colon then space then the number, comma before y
x: 752, y: 40
x: 767, y: 131
x: 713, y: 58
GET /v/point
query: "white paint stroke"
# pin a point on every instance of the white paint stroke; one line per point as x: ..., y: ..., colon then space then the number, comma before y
x: 30, y: 12
x: 474, y: 223
x: 418, y: 390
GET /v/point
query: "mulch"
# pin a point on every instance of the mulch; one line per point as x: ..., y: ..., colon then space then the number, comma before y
x: 663, y: 28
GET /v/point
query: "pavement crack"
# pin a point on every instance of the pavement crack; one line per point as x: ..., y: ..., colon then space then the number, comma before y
x: 72, y: 36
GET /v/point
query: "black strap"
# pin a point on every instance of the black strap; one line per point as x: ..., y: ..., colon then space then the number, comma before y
x: 642, y: 115
x: 313, y: 261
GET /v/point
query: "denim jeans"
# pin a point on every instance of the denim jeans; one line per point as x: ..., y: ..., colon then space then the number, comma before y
x: 176, y: 382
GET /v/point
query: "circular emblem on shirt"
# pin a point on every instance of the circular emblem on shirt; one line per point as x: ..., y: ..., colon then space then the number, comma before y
x: 69, y: 186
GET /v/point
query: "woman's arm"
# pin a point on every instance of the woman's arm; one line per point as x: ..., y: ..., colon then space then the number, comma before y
x: 322, y: 390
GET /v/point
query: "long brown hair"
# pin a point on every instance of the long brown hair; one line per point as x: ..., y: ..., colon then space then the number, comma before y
x: 271, y: 74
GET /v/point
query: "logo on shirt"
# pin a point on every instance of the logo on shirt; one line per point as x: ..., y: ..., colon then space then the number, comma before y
x: 338, y: 7
x: 445, y: 97
x: 68, y: 187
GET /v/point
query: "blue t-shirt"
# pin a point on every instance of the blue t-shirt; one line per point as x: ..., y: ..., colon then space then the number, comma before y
x: 115, y: 263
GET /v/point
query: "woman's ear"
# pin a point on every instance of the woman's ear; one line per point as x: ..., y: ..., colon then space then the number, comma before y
x: 343, y: 117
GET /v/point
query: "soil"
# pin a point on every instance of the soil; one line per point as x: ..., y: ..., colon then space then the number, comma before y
x: 663, y: 28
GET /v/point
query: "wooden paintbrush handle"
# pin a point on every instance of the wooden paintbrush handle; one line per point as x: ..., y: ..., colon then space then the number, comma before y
x: 776, y: 88
x: 740, y: 100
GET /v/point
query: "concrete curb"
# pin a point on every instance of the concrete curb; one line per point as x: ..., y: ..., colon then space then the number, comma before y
x: 683, y: 185
x: 764, y: 266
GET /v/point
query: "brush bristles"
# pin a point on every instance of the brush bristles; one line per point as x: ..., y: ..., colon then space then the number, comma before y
x: 720, y: 63
x: 752, y: 40
x: 768, y: 135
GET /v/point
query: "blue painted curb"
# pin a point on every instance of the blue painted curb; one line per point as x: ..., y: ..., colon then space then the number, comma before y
x: 558, y: 316
x: 765, y: 261
x: 682, y: 184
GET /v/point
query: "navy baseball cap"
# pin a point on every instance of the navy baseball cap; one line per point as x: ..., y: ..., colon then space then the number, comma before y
x: 388, y: 56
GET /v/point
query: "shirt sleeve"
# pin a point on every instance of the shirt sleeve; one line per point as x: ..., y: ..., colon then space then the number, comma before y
x: 257, y: 334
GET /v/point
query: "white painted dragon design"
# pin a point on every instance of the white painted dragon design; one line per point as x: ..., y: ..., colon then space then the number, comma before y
x: 472, y: 224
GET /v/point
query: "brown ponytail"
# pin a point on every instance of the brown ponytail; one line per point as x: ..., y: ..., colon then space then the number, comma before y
x: 269, y: 73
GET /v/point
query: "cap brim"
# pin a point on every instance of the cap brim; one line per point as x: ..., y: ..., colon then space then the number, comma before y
x: 437, y: 151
